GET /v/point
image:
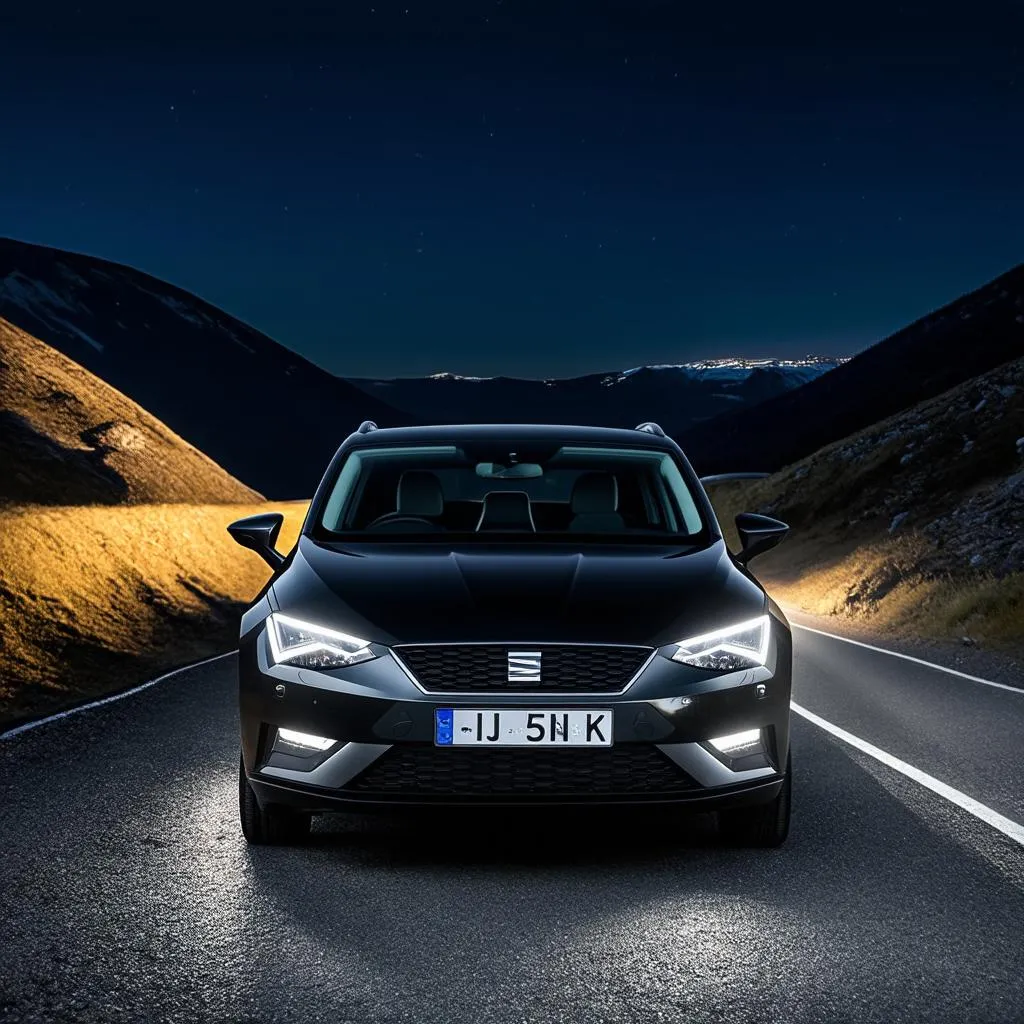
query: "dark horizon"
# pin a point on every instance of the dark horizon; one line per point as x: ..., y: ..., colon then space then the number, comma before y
x: 586, y: 371
x: 522, y: 189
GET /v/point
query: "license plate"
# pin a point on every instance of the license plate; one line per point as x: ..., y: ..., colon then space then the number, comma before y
x: 523, y: 727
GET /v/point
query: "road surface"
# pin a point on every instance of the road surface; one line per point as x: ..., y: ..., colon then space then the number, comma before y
x: 127, y: 893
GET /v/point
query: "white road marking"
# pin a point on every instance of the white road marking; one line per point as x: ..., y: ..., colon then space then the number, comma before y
x: 1005, y: 825
x: 907, y: 657
x: 108, y: 700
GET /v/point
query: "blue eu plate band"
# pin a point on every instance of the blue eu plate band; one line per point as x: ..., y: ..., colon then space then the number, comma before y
x: 443, y: 726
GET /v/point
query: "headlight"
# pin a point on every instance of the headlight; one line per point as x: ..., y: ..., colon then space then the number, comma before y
x: 308, y: 646
x: 741, y: 646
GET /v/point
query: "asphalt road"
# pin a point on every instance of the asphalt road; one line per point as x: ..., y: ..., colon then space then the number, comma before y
x: 127, y: 893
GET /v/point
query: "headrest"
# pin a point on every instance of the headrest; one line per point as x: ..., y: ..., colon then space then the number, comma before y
x: 595, y: 492
x: 506, y: 510
x: 419, y: 493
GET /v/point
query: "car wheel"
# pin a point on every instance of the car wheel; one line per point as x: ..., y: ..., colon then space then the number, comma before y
x: 766, y: 825
x: 268, y: 826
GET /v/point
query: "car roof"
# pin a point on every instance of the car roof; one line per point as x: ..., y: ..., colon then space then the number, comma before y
x: 561, y: 433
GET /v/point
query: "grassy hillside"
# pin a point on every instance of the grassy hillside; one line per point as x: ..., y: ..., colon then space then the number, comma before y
x: 114, y: 560
x: 915, y: 524
x: 67, y: 438
x: 95, y: 599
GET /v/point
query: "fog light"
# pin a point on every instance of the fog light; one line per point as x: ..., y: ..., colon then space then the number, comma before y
x: 739, y: 743
x: 304, y: 740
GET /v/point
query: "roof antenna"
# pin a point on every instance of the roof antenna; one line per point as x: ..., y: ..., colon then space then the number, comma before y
x: 650, y: 428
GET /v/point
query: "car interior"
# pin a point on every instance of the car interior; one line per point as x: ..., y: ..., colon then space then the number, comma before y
x: 596, y: 503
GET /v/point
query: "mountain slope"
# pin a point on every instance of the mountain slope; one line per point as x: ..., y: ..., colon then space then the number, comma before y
x: 115, y: 561
x: 966, y: 338
x: 68, y: 438
x: 268, y: 416
x: 916, y: 521
x: 676, y: 396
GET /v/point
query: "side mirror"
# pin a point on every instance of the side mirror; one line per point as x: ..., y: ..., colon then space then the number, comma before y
x: 259, y: 534
x: 757, y: 535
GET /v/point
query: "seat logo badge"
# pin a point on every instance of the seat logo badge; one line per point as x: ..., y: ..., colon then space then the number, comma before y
x: 524, y: 666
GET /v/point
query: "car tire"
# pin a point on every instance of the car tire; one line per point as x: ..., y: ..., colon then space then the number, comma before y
x: 765, y: 825
x: 270, y: 825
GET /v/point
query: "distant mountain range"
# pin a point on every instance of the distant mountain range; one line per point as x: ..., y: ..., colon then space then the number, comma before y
x: 272, y: 419
x: 676, y: 396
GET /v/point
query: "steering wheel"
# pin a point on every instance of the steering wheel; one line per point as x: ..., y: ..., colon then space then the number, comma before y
x: 399, y: 517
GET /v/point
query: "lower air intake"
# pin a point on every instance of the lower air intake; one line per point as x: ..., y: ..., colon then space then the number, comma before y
x: 626, y: 770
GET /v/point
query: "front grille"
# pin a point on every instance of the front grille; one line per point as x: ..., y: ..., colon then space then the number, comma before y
x: 565, y: 668
x: 425, y: 770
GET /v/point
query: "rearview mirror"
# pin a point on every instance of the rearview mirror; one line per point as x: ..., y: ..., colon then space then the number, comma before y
x: 517, y: 471
x: 757, y: 535
x: 259, y: 534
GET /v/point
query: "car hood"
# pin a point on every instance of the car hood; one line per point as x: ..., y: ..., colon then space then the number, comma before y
x: 403, y: 593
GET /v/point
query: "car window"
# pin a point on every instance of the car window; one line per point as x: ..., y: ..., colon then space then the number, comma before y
x: 436, y: 490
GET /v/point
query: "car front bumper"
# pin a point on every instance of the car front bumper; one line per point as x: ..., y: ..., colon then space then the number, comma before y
x: 384, y: 755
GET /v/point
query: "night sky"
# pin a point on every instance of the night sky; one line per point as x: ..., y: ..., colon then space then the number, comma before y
x: 531, y: 188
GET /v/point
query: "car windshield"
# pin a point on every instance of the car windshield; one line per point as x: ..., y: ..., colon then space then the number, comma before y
x: 436, y: 490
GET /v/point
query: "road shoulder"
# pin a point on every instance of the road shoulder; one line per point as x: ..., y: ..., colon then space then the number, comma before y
x: 998, y: 665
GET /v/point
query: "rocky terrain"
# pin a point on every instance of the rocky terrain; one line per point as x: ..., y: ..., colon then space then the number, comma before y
x: 917, y: 520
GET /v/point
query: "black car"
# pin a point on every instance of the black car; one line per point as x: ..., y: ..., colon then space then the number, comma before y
x: 513, y: 615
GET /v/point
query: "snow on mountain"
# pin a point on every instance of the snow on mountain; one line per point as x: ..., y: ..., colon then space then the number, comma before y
x: 40, y: 301
x: 728, y: 370
x: 444, y: 375
x: 676, y: 395
x: 734, y: 371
